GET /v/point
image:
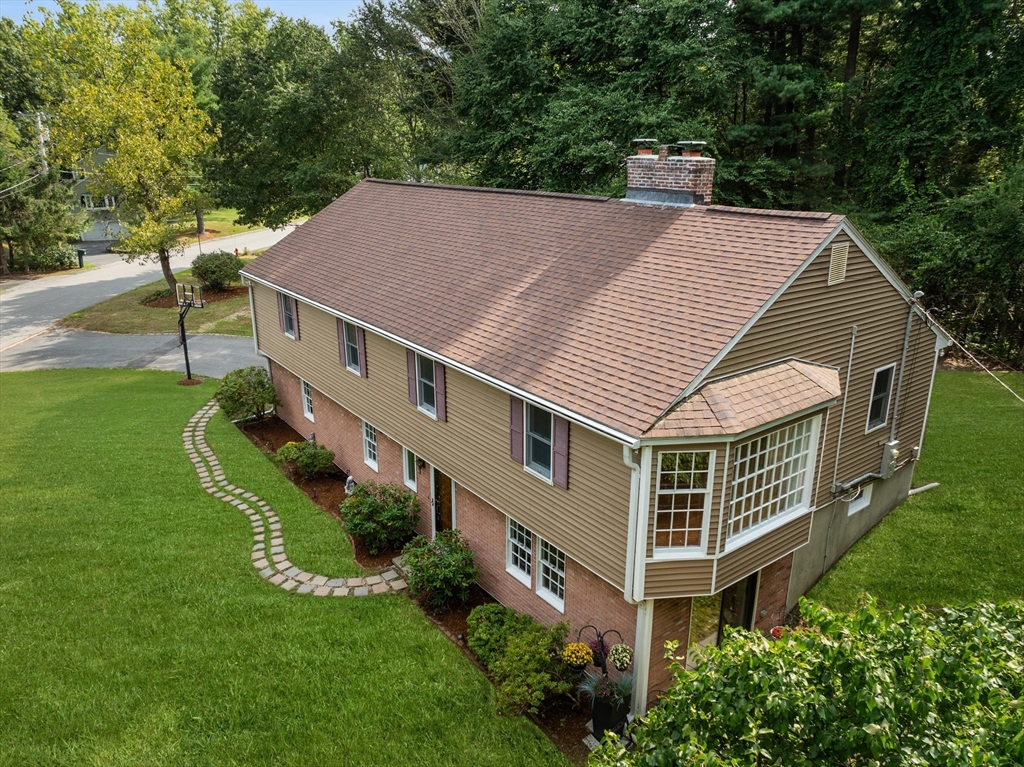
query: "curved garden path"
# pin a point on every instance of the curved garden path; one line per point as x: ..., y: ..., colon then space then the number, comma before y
x: 268, y: 555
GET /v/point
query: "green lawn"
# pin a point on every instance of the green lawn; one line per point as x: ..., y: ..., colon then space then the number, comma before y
x: 964, y: 540
x: 135, y: 631
x: 127, y: 314
x: 221, y: 223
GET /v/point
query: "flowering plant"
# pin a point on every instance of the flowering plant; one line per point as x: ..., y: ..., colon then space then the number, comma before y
x: 577, y: 654
x: 598, y: 646
x: 621, y: 655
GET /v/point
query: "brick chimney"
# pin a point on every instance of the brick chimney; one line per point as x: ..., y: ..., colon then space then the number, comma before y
x: 668, y: 178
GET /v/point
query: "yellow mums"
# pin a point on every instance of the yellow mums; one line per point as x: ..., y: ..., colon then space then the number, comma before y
x: 577, y: 654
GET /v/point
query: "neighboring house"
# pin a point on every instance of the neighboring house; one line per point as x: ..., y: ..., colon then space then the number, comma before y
x: 651, y: 415
x: 103, y: 223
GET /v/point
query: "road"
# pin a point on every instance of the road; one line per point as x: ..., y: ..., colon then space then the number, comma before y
x: 30, y: 308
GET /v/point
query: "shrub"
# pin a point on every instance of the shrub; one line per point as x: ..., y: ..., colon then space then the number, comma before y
x: 490, y: 627
x: 216, y: 270
x: 440, y: 572
x: 530, y: 670
x: 310, y: 458
x: 54, y: 258
x: 869, y: 687
x: 246, y: 392
x: 381, y: 516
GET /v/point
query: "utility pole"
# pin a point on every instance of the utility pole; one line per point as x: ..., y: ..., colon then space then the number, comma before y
x: 43, y: 136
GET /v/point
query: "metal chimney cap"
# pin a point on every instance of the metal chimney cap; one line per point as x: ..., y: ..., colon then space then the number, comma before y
x: 645, y: 141
x: 691, y: 144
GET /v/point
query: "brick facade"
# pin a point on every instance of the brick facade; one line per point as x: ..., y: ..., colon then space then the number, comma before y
x: 695, y: 175
x: 671, y: 622
x: 772, y: 591
x: 589, y: 600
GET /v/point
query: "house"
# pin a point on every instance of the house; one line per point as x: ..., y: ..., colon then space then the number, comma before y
x: 650, y: 414
x: 103, y: 223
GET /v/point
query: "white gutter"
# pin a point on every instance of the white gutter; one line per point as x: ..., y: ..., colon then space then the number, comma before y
x: 582, y: 420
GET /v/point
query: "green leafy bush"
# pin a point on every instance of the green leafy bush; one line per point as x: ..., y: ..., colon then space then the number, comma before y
x: 490, y: 627
x: 381, y: 516
x: 310, y: 458
x: 440, y: 572
x: 867, y: 688
x: 246, y: 392
x: 217, y: 270
x: 530, y: 670
x: 54, y: 258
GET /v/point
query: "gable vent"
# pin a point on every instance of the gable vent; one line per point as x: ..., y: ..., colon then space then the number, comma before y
x: 837, y: 266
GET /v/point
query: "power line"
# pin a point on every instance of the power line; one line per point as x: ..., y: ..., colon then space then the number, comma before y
x: 15, y: 165
x: 5, y: 192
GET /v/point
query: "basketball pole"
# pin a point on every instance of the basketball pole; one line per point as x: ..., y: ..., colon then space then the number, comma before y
x: 184, y: 339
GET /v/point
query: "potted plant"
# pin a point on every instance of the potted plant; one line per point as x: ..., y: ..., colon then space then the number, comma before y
x: 577, y: 656
x: 610, y: 700
x: 598, y: 648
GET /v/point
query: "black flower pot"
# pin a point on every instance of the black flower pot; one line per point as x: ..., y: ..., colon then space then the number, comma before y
x: 608, y: 715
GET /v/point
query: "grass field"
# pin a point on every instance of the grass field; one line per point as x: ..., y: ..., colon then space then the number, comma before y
x: 964, y: 540
x: 221, y: 222
x: 135, y: 631
x: 127, y: 314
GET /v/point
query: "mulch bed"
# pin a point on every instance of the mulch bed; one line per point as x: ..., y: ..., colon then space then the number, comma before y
x: 190, y: 382
x: 562, y: 722
x: 209, y: 297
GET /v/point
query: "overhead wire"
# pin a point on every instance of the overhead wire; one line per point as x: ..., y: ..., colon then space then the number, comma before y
x: 22, y: 162
x: 6, y: 192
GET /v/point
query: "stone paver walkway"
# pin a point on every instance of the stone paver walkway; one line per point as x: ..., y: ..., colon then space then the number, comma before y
x: 268, y: 555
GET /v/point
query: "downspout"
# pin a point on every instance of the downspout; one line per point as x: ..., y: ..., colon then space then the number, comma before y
x: 903, y: 364
x: 640, y: 537
x: 629, y: 458
x: 252, y: 314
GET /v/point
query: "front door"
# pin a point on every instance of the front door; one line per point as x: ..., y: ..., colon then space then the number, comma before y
x: 738, y: 605
x: 442, y: 502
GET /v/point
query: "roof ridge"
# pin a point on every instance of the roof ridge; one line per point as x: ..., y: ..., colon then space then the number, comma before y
x: 491, y: 190
x: 820, y: 215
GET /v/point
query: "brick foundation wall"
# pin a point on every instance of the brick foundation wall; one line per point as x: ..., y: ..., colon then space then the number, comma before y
x: 772, y: 591
x: 339, y: 430
x: 589, y: 600
x: 671, y: 622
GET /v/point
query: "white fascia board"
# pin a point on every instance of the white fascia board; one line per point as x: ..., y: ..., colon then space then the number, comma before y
x: 588, y: 423
x: 699, y: 378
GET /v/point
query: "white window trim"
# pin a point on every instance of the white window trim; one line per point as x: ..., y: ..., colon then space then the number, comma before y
x: 685, y: 552
x: 345, y: 344
x: 288, y: 305
x: 551, y: 598
x: 410, y: 482
x: 524, y: 578
x: 862, y: 501
x: 371, y: 462
x: 419, y: 393
x: 868, y: 428
x: 526, y: 439
x: 803, y: 507
x: 307, y: 400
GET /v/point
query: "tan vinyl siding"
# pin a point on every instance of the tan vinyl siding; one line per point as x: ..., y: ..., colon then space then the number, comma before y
x: 812, y: 320
x: 588, y: 521
x: 761, y: 552
x: 678, y: 578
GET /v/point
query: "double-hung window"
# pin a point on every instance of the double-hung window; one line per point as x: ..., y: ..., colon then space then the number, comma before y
x: 426, y: 388
x: 288, y: 312
x: 369, y: 446
x: 519, y: 552
x: 539, y: 440
x: 683, y: 500
x: 307, y: 400
x: 881, y: 389
x: 771, y: 475
x: 351, y: 337
x: 409, y: 468
x: 551, y: 575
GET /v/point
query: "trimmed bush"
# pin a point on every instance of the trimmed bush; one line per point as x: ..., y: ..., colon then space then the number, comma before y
x: 530, y: 670
x: 53, y: 259
x: 865, y: 688
x: 490, y: 627
x: 440, y: 572
x: 217, y: 270
x: 246, y: 392
x: 381, y: 516
x: 310, y: 458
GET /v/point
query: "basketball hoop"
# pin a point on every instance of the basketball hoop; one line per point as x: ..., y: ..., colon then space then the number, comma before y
x: 188, y: 296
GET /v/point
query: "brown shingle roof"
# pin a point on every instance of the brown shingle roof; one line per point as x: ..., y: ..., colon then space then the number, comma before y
x: 746, y: 401
x: 605, y: 307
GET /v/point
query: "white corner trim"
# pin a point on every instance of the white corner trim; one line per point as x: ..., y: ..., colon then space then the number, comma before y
x: 570, y: 415
x: 643, y: 655
x: 634, y: 514
x: 643, y: 515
